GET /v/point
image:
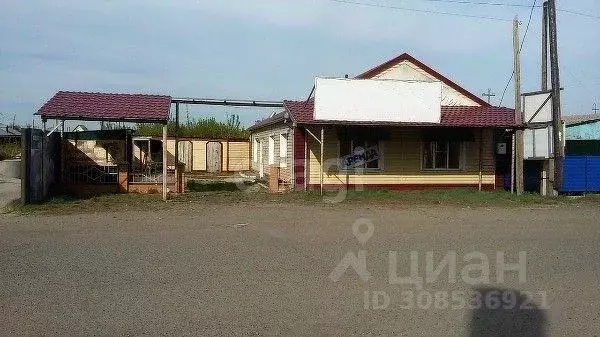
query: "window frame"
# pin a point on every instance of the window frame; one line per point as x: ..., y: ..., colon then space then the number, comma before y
x: 283, y: 150
x: 271, y: 150
x: 380, y: 161
x: 255, y: 149
x: 461, y: 156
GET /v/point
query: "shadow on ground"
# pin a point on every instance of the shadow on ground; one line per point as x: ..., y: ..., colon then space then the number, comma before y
x: 514, y: 314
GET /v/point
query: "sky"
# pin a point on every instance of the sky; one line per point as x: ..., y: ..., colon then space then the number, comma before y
x: 273, y: 49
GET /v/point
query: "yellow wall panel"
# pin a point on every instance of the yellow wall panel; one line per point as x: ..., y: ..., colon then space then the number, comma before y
x: 402, y: 161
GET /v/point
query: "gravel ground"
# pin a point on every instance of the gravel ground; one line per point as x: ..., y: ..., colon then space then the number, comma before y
x: 264, y: 269
x: 10, y: 189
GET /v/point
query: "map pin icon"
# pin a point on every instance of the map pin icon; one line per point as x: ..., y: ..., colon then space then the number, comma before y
x: 363, y: 230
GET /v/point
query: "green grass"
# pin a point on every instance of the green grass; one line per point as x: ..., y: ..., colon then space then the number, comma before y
x: 145, y: 202
x: 101, y: 203
x: 196, y: 185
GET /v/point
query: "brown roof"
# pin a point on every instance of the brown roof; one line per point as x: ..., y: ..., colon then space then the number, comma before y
x: 302, y: 112
x: 580, y: 119
x: 406, y: 57
x: 276, y: 118
x: 69, y: 105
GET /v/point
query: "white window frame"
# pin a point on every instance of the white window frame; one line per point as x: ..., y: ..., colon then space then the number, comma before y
x: 350, y: 169
x: 461, y: 159
x: 283, y: 145
x: 271, y: 151
x: 255, y: 148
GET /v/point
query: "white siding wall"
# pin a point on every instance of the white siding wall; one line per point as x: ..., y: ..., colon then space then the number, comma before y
x: 285, y: 163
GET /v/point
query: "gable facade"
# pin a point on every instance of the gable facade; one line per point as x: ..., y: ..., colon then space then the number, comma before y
x: 408, y: 71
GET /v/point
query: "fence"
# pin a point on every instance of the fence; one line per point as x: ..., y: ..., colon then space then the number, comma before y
x: 40, y: 166
x: 92, y: 174
x: 581, y: 174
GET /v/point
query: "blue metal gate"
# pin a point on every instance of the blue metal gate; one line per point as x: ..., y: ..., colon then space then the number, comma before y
x: 581, y: 174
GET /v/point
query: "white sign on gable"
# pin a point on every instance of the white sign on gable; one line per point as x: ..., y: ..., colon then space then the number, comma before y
x: 377, y: 100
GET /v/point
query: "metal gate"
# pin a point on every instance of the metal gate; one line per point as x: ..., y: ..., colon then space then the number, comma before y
x: 581, y: 174
x: 40, y: 164
x: 214, y: 157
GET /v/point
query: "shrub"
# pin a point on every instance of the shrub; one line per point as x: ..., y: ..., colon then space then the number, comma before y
x: 10, y: 151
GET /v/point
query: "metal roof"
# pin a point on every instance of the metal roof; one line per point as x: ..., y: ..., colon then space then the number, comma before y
x: 580, y: 119
x: 67, y: 105
x: 302, y: 112
x: 8, y: 131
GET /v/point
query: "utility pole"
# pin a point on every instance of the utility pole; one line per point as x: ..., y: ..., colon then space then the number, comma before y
x: 594, y: 109
x: 548, y: 166
x: 519, y: 186
x: 545, y: 47
x: 556, y: 113
x: 489, y: 94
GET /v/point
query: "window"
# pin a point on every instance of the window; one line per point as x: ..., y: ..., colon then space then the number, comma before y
x: 360, y: 154
x: 441, y: 155
x: 255, y: 149
x: 271, y: 150
x: 283, y: 149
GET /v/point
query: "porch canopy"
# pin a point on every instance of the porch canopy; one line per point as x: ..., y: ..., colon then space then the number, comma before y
x: 91, y: 106
x: 108, y: 107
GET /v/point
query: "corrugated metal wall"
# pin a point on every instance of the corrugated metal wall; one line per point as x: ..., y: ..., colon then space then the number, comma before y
x: 581, y: 174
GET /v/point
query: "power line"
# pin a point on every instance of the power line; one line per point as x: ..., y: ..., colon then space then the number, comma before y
x: 578, y: 13
x: 502, y: 4
x: 420, y: 10
x: 464, y: 2
x: 520, y: 48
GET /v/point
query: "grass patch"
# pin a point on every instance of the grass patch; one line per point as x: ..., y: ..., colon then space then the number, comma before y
x: 195, y: 185
x: 101, y: 203
x: 386, y: 198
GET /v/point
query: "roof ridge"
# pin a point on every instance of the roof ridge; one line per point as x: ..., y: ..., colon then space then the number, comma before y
x: 111, y: 93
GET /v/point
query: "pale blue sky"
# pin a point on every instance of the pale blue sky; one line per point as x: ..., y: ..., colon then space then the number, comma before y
x: 272, y: 49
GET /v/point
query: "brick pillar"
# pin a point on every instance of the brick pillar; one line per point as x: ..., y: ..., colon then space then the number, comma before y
x: 123, y: 177
x: 274, y: 179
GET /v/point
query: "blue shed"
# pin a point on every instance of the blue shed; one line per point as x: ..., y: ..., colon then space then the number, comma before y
x: 581, y: 170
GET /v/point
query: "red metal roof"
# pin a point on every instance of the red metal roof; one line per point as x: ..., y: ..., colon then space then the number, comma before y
x: 407, y: 57
x: 69, y: 105
x: 302, y: 112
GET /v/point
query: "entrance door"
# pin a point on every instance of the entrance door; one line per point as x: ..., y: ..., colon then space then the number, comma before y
x: 213, y: 157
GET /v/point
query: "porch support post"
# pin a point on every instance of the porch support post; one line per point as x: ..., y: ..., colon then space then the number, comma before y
x: 512, y: 164
x: 322, y: 143
x: 164, y: 148
x: 480, y: 158
x: 177, y: 147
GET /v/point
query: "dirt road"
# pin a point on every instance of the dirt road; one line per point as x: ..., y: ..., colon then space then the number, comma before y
x: 212, y: 270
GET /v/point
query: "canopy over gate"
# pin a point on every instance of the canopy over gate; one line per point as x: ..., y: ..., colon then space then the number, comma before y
x: 89, y: 106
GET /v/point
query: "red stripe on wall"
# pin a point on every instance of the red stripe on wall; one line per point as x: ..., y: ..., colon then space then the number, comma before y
x: 299, y: 158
